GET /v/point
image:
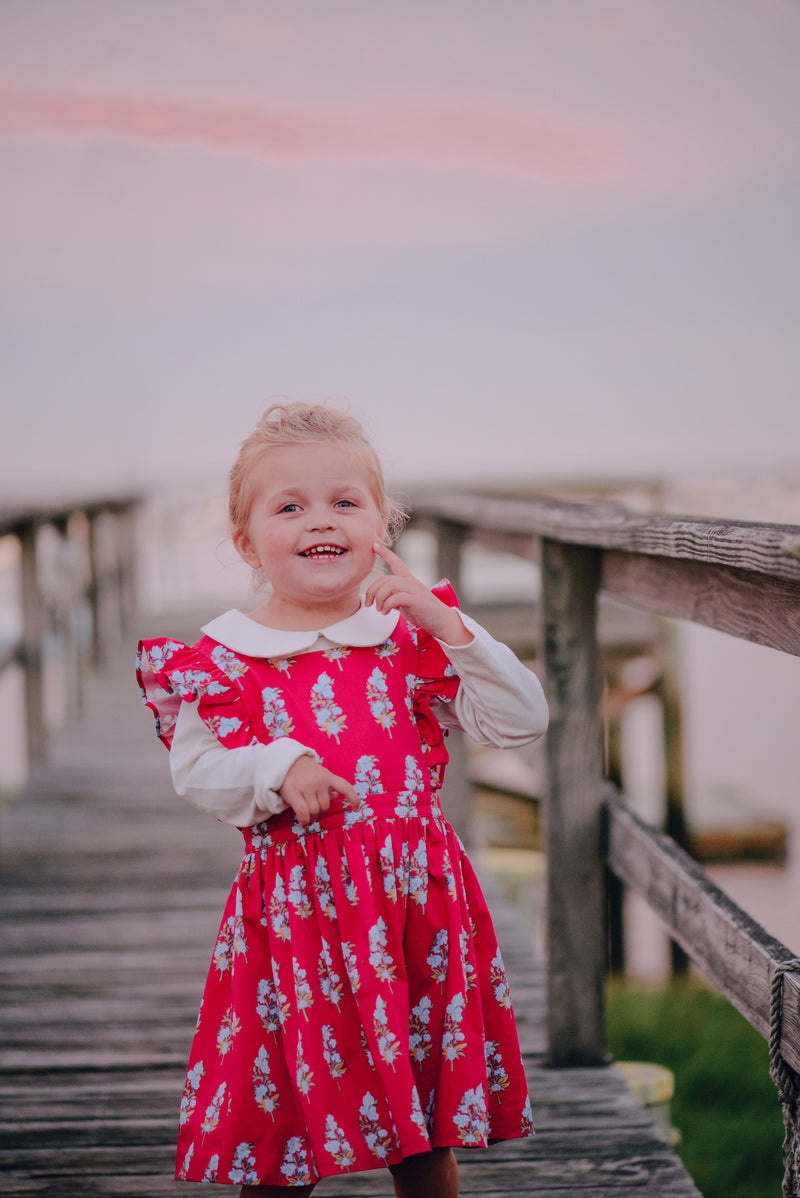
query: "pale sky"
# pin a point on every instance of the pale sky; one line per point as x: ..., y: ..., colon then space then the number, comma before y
x: 520, y: 239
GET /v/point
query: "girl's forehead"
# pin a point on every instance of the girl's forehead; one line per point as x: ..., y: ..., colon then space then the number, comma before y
x: 315, y: 464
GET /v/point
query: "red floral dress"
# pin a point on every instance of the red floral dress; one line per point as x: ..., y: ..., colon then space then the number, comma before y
x: 356, y: 1010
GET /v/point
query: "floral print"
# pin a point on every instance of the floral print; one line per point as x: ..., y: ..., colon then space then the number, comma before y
x: 228, y: 1028
x: 367, y: 777
x: 193, y: 1079
x: 472, y: 1119
x: 419, y: 1036
x: 243, y: 1170
x: 338, y: 654
x: 227, y: 661
x: 377, y: 1138
x: 333, y: 1058
x: 329, y: 716
x: 265, y: 1091
x: 276, y: 719
x: 337, y: 1144
x: 213, y: 1110
x: 356, y: 1010
x: 379, y: 702
x: 295, y: 1163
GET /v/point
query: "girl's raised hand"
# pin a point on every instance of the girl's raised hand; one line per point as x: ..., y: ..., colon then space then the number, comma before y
x: 401, y: 591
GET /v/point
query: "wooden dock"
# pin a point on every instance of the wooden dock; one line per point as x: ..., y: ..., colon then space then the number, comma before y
x: 111, y: 889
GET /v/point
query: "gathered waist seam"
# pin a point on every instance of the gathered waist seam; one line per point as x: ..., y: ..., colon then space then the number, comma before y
x: 279, y: 829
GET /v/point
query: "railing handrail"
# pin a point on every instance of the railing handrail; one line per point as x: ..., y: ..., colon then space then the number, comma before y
x: 16, y: 516
x: 737, y: 576
x: 742, y: 544
x: 735, y: 953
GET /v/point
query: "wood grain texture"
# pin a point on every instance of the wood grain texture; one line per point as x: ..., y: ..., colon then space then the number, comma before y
x: 575, y: 881
x: 746, y: 545
x: 111, y: 890
x: 754, y: 607
x: 734, y: 951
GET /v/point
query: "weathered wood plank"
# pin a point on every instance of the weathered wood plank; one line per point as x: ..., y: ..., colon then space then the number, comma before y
x: 734, y: 951
x: 754, y: 607
x: 609, y: 1164
x: 575, y: 879
x: 747, y: 545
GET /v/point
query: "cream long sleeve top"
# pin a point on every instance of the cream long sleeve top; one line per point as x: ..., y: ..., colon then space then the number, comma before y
x: 499, y: 702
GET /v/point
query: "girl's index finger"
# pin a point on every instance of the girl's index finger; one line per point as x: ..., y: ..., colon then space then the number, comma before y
x: 395, y: 563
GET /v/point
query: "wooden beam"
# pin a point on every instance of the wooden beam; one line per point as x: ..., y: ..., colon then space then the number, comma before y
x: 754, y: 607
x: 33, y: 624
x: 576, y: 890
x: 14, y: 517
x: 736, y: 954
x: 763, y: 548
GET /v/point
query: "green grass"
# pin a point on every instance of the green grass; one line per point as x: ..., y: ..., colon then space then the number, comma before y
x: 725, y: 1104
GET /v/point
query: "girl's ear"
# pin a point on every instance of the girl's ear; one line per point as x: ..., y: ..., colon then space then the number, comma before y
x: 244, y: 547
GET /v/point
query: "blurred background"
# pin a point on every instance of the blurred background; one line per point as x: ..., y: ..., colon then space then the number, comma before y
x: 530, y: 245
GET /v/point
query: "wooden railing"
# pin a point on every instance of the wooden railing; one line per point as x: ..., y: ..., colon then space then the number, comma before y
x: 76, y: 569
x: 740, y: 578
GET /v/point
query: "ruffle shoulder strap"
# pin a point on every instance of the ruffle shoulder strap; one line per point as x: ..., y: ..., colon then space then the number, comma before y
x: 170, y: 673
x: 436, y: 676
x: 436, y: 679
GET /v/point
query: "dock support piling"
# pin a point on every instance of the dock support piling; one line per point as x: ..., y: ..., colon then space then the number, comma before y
x: 576, y: 898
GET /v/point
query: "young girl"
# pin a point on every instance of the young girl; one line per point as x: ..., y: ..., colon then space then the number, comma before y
x: 356, y: 1013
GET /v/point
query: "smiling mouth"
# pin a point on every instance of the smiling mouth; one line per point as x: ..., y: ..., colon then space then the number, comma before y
x: 323, y: 552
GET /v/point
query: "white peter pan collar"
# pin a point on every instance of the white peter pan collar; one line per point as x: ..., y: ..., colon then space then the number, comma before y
x: 242, y: 634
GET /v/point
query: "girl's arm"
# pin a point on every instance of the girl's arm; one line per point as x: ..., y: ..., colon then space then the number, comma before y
x: 239, y: 786
x: 499, y: 702
x: 244, y: 786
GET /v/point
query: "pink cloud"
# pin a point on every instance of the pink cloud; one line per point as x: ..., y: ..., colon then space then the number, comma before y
x: 542, y: 146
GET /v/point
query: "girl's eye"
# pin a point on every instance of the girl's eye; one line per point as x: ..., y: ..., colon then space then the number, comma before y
x: 345, y: 503
x: 289, y: 507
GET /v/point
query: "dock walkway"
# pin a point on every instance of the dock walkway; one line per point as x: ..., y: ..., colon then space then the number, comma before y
x: 111, y: 890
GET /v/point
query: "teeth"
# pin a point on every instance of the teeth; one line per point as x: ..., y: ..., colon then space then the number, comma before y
x: 323, y: 551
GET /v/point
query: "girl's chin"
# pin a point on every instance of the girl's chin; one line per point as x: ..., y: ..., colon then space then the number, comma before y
x: 329, y: 589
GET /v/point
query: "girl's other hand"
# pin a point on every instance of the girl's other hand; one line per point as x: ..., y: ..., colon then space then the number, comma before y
x: 309, y: 787
x: 401, y: 591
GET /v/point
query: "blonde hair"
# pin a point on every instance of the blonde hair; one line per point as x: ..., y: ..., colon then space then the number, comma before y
x: 307, y: 424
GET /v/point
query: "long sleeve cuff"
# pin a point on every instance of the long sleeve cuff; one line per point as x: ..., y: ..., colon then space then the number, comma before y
x: 238, y: 786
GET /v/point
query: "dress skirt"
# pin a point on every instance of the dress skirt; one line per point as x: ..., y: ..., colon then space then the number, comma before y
x: 356, y: 1010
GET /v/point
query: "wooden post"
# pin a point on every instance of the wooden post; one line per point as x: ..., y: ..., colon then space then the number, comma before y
x: 126, y: 564
x: 450, y: 538
x: 71, y: 592
x: 32, y: 633
x: 615, y: 891
x: 576, y: 886
x: 674, y: 809
x: 95, y: 594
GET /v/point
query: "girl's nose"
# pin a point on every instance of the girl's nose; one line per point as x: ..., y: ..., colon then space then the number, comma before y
x: 320, y: 519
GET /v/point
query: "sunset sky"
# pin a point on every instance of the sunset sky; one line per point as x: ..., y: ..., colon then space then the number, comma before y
x: 518, y: 239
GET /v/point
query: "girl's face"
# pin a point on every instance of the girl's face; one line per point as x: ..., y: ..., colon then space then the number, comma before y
x: 313, y: 523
